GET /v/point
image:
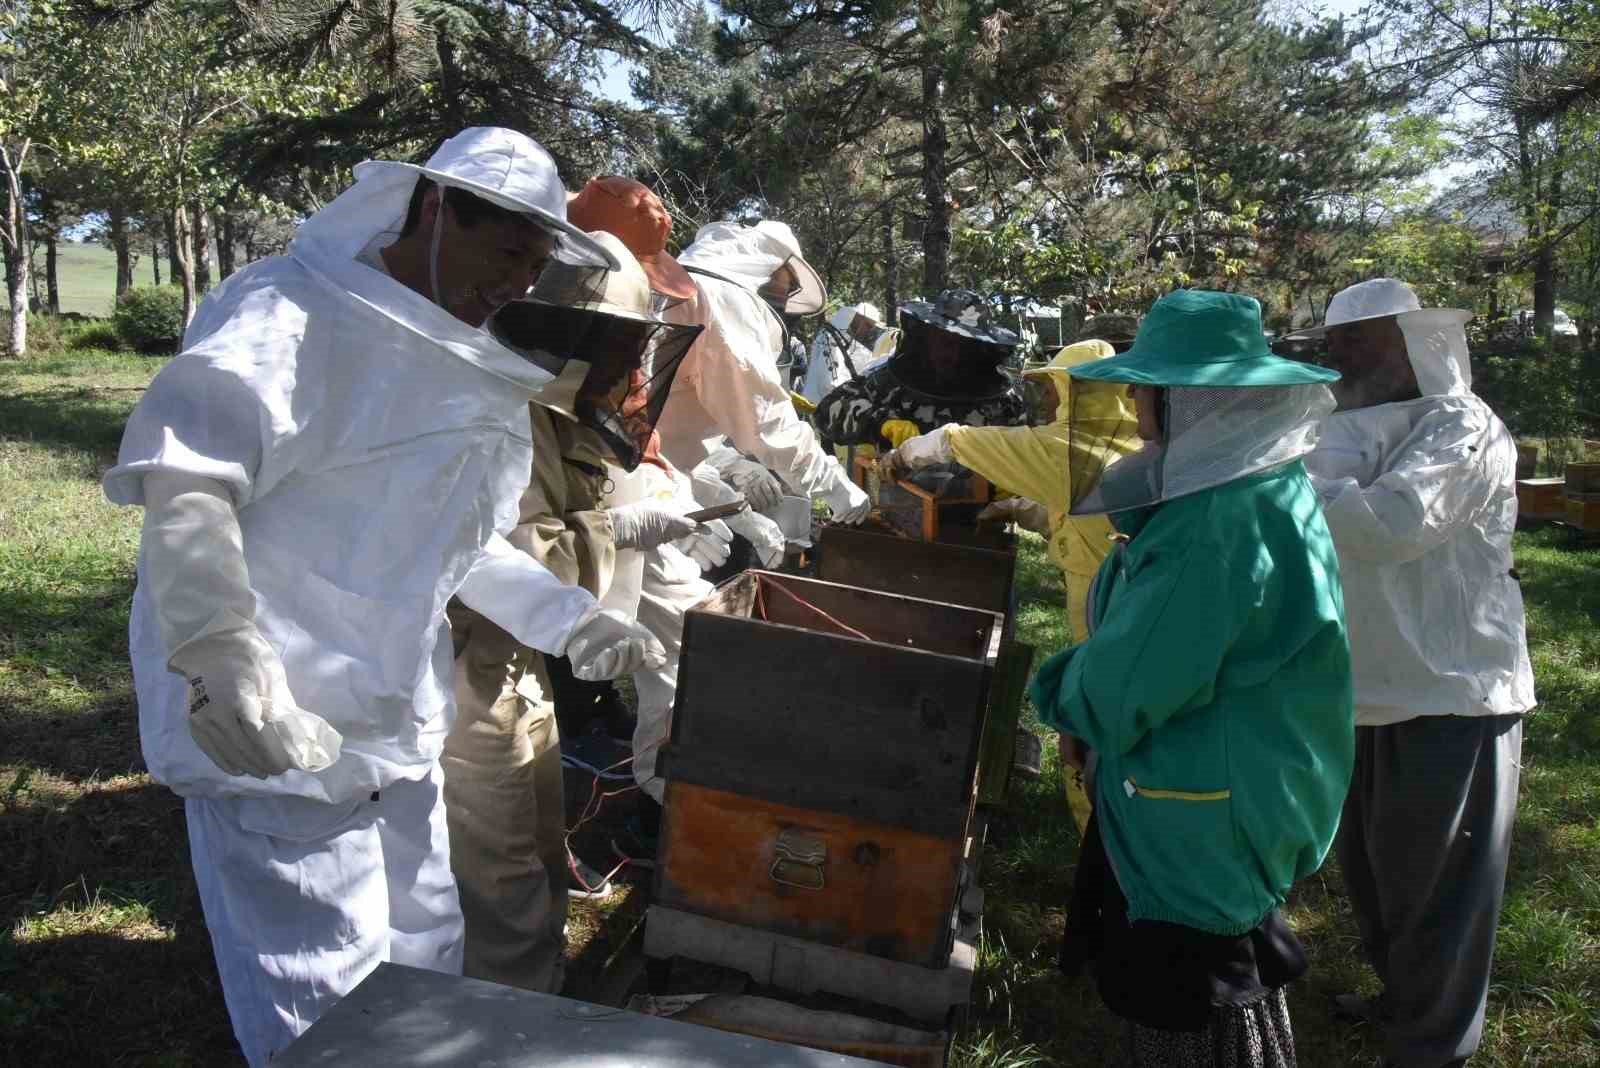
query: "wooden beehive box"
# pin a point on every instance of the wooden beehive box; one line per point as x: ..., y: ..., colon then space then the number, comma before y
x: 1583, y: 511
x: 950, y: 516
x: 959, y: 574
x: 1583, y: 479
x: 956, y: 574
x: 821, y: 771
x: 1541, y: 498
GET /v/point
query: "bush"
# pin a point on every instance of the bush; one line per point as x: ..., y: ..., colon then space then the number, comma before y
x: 46, y: 333
x: 150, y: 318
x: 98, y: 334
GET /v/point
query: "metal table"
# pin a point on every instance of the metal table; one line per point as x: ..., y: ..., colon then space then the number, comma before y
x: 401, y: 1017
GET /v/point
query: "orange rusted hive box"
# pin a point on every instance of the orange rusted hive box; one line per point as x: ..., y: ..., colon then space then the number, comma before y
x: 822, y: 766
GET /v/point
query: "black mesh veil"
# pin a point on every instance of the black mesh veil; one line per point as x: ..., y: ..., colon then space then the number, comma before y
x: 631, y: 358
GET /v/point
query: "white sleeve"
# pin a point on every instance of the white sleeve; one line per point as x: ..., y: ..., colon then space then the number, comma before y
x: 193, y: 554
x: 1442, y: 478
x: 819, y: 371
x: 518, y: 594
x: 196, y: 419
x: 739, y: 386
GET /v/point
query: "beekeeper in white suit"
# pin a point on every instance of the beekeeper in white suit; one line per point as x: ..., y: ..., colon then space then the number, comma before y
x: 748, y: 278
x: 332, y: 457
x: 843, y: 349
x: 1417, y: 480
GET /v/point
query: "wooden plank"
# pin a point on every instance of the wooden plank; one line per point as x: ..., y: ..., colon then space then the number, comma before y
x: 867, y: 887
x: 827, y: 712
x: 1006, y: 691
x: 926, y: 994
x: 955, y: 574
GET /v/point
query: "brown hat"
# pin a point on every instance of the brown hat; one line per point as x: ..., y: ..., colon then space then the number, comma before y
x: 629, y: 210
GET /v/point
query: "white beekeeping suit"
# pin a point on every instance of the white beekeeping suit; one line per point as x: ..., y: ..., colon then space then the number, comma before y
x: 729, y: 383
x: 832, y: 348
x: 1421, y: 499
x: 332, y: 457
x: 1417, y: 480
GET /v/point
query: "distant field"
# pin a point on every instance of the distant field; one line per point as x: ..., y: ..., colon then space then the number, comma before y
x: 88, y: 277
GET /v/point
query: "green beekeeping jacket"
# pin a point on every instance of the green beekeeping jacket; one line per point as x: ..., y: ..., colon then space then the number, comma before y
x: 1215, y: 690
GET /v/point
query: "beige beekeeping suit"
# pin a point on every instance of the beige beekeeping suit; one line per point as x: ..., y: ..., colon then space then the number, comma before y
x: 502, y: 759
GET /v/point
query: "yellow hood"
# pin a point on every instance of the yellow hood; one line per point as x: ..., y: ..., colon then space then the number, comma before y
x: 1040, y: 462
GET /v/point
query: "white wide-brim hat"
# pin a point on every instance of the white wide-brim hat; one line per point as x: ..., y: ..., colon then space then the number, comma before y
x: 511, y: 171
x: 813, y: 294
x: 1376, y: 298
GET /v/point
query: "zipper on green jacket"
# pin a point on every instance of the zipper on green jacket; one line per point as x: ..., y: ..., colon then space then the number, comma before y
x: 1133, y: 789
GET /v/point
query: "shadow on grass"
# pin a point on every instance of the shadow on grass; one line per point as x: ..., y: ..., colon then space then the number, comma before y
x: 66, y: 702
x: 98, y: 910
x: 101, y: 999
x: 81, y: 417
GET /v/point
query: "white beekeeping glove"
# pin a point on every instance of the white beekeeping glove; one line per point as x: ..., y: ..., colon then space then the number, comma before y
x: 848, y: 501
x: 709, y: 546
x: 607, y: 644
x: 1027, y: 514
x: 645, y: 525
x: 759, y: 486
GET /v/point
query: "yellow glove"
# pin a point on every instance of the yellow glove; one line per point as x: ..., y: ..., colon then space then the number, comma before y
x: 898, y: 431
x: 801, y: 405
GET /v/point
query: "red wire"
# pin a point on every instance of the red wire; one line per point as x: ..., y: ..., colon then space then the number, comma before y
x: 803, y: 603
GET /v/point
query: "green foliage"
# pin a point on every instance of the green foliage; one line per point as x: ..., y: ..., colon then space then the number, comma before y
x: 1439, y: 259
x: 97, y: 335
x: 1537, y: 389
x: 150, y: 318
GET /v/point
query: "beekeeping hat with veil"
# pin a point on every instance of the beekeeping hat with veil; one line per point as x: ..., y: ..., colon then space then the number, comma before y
x: 593, y: 329
x: 1229, y: 408
x: 505, y: 168
x: 963, y: 316
x: 1435, y: 361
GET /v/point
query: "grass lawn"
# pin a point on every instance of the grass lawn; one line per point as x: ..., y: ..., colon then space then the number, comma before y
x: 104, y: 957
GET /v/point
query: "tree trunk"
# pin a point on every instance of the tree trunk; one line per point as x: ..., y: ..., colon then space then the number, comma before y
x: 17, y: 293
x: 225, y: 238
x: 119, y: 244
x: 52, y: 282
x: 155, y: 258
x: 449, y: 79
x: 935, y: 146
x: 891, y: 280
x: 35, y: 300
x: 202, y: 246
x: 174, y: 267
x: 179, y: 220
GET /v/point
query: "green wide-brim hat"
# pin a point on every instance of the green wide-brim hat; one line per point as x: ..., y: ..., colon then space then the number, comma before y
x: 1196, y: 337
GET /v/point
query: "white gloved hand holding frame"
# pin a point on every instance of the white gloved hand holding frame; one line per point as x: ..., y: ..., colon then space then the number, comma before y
x: 646, y: 525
